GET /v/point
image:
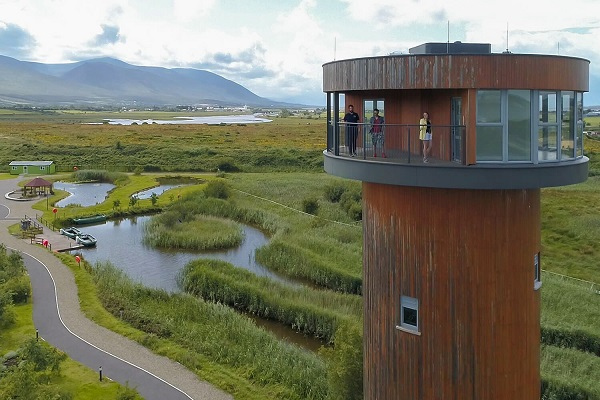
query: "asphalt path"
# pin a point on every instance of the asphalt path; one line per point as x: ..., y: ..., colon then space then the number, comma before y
x: 58, y: 323
x: 47, y: 320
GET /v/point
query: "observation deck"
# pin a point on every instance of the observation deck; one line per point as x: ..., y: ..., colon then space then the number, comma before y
x: 499, y: 121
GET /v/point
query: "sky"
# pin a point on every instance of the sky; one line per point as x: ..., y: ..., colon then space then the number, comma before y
x: 276, y: 48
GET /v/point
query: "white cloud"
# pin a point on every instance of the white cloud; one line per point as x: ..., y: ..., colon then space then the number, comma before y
x: 188, y: 10
x: 277, y: 49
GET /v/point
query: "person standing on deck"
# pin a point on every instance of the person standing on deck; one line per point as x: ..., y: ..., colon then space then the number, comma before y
x: 376, y: 131
x: 351, y: 119
x: 425, y: 135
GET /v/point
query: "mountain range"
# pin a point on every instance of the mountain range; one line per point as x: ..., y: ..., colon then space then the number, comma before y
x: 111, y: 82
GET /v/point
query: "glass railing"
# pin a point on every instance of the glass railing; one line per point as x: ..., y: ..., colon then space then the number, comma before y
x: 396, y: 142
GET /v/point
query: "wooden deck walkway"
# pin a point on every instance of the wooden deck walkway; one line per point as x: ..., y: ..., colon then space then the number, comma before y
x: 56, y: 241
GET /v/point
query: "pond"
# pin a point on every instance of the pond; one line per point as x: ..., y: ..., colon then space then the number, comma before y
x: 146, y: 194
x: 121, y: 243
x: 84, y: 194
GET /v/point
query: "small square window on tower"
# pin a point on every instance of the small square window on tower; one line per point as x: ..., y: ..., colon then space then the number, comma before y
x: 537, y: 272
x: 409, y: 315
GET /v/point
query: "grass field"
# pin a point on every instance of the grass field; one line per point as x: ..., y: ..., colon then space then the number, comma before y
x: 285, y: 144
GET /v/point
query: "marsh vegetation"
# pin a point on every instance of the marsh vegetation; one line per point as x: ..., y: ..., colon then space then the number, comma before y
x: 201, y: 329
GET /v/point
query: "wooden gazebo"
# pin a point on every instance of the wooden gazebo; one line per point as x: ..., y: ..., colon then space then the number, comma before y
x: 37, y: 186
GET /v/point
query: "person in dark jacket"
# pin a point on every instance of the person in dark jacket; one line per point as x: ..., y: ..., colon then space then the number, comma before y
x: 351, y: 119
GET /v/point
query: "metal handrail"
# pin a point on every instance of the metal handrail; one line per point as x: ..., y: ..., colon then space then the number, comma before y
x: 398, y: 138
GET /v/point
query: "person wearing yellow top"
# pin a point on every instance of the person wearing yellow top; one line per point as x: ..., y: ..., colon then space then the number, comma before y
x: 425, y: 135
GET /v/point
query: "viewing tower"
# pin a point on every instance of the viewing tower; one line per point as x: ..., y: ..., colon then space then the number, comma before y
x: 451, y: 280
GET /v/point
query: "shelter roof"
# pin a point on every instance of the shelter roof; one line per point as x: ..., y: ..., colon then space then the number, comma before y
x: 38, y: 182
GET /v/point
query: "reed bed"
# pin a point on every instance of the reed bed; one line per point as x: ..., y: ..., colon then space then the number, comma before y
x: 310, y: 311
x: 299, y: 262
x: 197, y: 233
x: 215, y: 331
x: 100, y: 176
x: 569, y: 374
x: 570, y: 314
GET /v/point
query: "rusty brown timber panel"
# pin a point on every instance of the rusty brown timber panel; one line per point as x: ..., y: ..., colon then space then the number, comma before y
x: 456, y: 71
x: 467, y: 256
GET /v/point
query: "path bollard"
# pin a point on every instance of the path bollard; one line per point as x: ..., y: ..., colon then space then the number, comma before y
x: 37, y: 335
x: 100, y: 371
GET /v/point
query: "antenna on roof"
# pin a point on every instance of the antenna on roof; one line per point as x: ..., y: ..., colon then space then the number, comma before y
x: 448, y: 42
x: 334, y: 46
x: 507, y: 38
x: 506, y: 51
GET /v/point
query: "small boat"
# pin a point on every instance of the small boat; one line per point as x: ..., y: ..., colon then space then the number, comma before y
x: 89, y: 220
x: 71, y: 232
x: 86, y: 239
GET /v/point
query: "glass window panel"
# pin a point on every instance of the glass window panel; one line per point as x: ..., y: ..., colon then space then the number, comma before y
x: 547, y: 107
x: 368, y: 106
x: 568, y: 125
x: 489, y: 143
x: 580, y: 126
x: 519, y: 125
x: 410, y: 316
x: 409, y: 313
x: 380, y: 105
x: 488, y: 106
x: 547, y: 143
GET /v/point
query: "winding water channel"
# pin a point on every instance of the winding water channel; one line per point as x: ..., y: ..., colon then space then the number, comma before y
x: 121, y: 243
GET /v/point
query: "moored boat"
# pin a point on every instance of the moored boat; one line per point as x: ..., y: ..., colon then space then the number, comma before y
x: 86, y: 240
x: 71, y: 232
x: 89, y: 220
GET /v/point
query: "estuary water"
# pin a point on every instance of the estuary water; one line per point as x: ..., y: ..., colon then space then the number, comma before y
x: 212, y: 120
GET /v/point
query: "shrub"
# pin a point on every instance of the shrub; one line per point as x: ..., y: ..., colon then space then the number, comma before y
x: 345, y: 366
x: 334, y: 192
x: 218, y: 189
x: 355, y: 211
x: 7, y: 314
x: 127, y: 393
x: 351, y: 202
x: 18, y: 288
x: 310, y: 206
x: 42, y: 356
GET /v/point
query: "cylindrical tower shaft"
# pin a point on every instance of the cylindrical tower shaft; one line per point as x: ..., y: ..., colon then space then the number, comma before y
x: 465, y: 260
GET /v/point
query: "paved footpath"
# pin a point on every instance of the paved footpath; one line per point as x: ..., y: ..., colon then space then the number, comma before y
x: 60, y: 321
